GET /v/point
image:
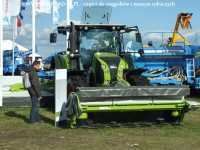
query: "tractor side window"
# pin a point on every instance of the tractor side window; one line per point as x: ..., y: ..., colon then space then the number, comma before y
x: 130, y: 42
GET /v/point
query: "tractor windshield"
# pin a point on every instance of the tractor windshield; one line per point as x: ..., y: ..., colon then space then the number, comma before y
x: 99, y: 40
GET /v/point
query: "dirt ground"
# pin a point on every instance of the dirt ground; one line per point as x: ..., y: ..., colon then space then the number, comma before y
x: 17, y: 134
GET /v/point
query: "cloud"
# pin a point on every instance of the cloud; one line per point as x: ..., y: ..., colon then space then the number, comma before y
x: 152, y: 36
x: 43, y: 6
x: 44, y: 33
x: 193, y: 37
x: 64, y: 23
x: 7, y: 32
x: 43, y: 45
x: 26, y: 30
x: 76, y: 21
x: 57, y: 5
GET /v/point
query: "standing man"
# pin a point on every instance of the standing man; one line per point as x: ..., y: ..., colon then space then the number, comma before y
x: 34, y: 91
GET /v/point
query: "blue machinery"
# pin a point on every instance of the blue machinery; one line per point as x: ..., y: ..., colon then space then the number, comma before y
x: 171, y: 58
x: 19, y: 59
x: 170, y: 64
x: 8, y: 60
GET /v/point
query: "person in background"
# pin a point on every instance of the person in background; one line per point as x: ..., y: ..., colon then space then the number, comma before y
x: 34, y: 91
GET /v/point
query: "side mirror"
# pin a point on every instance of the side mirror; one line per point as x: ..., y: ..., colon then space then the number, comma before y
x: 138, y: 38
x: 53, y: 37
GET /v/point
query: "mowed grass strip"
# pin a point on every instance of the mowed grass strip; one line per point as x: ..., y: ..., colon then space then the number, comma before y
x: 16, y: 133
x: 17, y: 87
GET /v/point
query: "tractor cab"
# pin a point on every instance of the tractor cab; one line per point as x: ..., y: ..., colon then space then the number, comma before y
x: 100, y: 50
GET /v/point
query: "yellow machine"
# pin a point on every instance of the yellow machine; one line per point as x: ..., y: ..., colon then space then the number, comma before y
x: 183, y: 19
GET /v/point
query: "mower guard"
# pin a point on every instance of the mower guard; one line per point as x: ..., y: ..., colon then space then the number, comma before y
x: 101, y: 99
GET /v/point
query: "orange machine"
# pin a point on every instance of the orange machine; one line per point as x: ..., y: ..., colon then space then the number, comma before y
x: 183, y: 19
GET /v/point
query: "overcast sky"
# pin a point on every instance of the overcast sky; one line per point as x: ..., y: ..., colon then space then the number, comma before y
x: 147, y: 14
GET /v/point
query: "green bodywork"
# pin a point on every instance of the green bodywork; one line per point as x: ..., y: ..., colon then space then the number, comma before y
x: 123, y: 65
x: 177, y: 105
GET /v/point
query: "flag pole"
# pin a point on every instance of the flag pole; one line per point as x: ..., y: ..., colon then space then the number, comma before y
x: 13, y: 45
x: 68, y: 3
x: 1, y: 37
x: 33, y: 30
x: 68, y: 11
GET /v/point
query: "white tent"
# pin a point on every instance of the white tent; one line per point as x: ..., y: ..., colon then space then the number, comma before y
x: 36, y: 55
x: 8, y: 45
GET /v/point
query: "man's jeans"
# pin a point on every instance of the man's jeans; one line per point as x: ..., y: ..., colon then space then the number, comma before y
x: 34, y: 115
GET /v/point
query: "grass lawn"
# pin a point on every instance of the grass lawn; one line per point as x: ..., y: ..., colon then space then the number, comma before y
x: 17, y: 87
x: 17, y: 134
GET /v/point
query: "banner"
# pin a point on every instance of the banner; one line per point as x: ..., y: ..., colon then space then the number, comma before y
x: 70, y: 3
x: 11, y: 7
x: 18, y: 22
x: 60, y: 96
x: 18, y: 25
x: 6, y: 20
x: 57, y: 6
x: 43, y: 6
x: 55, y: 13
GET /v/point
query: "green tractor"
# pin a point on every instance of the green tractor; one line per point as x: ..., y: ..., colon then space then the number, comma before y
x: 101, y: 77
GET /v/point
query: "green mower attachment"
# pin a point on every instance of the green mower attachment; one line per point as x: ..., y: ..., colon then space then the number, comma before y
x: 115, y: 99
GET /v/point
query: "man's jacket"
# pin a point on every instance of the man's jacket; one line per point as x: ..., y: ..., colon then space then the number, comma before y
x: 35, y: 89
